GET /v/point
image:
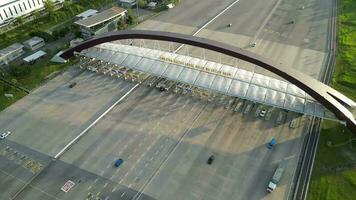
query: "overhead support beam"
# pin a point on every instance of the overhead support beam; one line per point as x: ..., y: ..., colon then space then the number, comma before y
x: 333, y: 100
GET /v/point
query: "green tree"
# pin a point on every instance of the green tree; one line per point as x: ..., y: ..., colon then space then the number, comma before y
x: 49, y: 6
x: 121, y: 24
x: 142, y: 3
x: 20, y: 20
x: 130, y: 18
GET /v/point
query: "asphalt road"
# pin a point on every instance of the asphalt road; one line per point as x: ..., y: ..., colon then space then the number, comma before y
x: 164, y: 139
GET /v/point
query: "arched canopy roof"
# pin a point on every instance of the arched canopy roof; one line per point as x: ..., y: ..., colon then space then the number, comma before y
x: 327, y: 96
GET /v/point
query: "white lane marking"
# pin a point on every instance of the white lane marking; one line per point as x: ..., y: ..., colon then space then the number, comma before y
x: 96, y: 180
x: 206, y: 24
x: 114, y: 189
x: 122, y: 195
x: 106, y: 184
x: 90, y: 187
x: 130, y: 185
x: 65, y: 148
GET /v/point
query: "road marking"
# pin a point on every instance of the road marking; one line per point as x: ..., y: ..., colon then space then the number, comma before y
x: 106, y: 184
x: 165, y: 160
x: 122, y: 195
x: 96, y: 180
x: 90, y: 187
x: 265, y: 21
x: 114, y: 189
x: 130, y: 185
x: 206, y: 24
x: 69, y: 145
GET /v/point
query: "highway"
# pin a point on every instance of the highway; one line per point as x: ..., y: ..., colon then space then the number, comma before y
x: 165, y: 139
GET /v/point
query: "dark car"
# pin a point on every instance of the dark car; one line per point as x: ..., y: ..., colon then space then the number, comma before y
x: 210, y: 160
x: 118, y: 162
x: 72, y: 84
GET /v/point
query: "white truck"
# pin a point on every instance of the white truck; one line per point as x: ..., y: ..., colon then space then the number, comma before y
x: 277, y: 176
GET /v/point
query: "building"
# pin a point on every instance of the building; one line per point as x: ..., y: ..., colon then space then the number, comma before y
x: 32, y: 58
x: 86, y: 14
x: 34, y: 43
x: 127, y: 3
x: 11, y: 9
x: 101, y: 23
x: 10, y: 53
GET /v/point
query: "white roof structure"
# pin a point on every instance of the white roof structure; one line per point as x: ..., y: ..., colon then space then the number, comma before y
x: 224, y: 79
x: 35, y: 56
x: 10, y: 49
x: 87, y: 14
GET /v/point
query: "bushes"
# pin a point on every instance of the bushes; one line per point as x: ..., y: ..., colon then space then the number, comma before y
x: 20, y: 71
x: 46, y: 36
x: 61, y: 32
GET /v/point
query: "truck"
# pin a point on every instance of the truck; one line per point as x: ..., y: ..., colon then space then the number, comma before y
x: 277, y: 176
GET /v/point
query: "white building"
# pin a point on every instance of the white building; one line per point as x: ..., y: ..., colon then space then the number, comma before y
x: 34, y: 43
x: 32, y: 58
x: 11, y: 9
x: 10, y: 53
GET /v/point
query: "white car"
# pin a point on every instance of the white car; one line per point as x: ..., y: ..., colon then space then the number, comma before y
x: 4, y: 135
x: 263, y: 113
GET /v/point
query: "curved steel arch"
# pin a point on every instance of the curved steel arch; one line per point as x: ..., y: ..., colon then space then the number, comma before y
x: 327, y: 96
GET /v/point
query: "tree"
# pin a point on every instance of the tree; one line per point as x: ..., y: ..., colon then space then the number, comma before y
x: 20, y: 20
x: 130, y: 18
x: 142, y: 3
x: 121, y: 24
x: 49, y: 6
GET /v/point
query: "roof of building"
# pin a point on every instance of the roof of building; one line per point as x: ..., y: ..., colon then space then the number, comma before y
x: 33, y: 41
x: 128, y: 1
x: 87, y: 13
x: 35, y: 56
x: 11, y: 49
x: 101, y: 17
x: 213, y: 76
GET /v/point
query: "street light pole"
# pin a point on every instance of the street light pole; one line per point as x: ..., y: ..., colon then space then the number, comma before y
x: 138, y: 14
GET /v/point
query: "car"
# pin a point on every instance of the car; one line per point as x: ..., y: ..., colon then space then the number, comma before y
x: 210, y: 160
x: 271, y: 143
x: 4, y: 135
x: 72, y: 84
x: 263, y: 112
x: 118, y: 162
x: 253, y: 44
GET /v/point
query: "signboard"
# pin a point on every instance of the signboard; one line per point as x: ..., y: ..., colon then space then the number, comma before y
x: 67, y: 186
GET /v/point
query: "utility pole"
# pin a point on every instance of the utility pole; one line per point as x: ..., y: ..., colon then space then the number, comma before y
x: 138, y: 14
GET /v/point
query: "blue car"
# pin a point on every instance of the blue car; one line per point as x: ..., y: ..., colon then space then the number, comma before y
x: 118, y: 162
x: 271, y: 143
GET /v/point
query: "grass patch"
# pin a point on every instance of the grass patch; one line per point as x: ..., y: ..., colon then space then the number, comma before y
x: 33, y: 78
x: 334, y: 172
